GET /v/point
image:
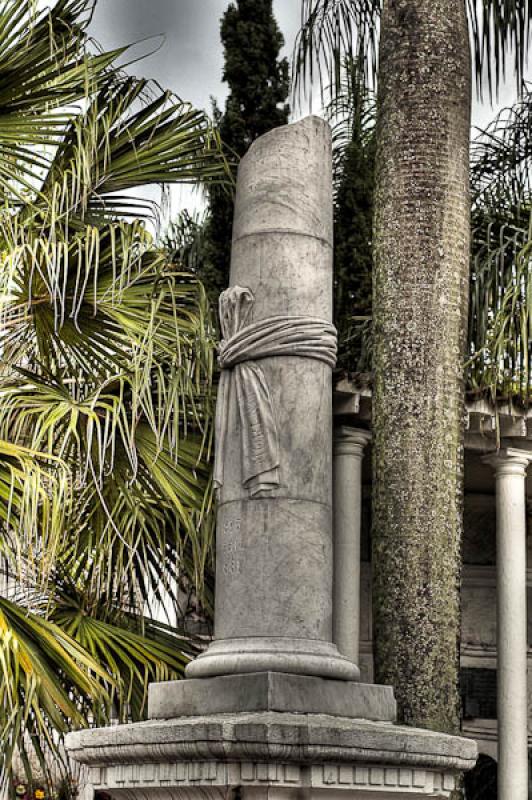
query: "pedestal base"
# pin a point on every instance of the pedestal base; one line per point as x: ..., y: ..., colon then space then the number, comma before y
x: 271, y: 691
x: 259, y: 755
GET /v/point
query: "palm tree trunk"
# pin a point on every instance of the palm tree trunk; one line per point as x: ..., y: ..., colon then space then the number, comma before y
x: 420, y: 315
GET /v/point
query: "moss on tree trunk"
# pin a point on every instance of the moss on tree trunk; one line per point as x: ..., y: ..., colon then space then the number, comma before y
x: 420, y: 314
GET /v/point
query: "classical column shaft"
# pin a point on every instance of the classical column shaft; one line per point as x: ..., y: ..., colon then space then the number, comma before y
x: 512, y: 699
x: 349, y: 446
x: 274, y: 551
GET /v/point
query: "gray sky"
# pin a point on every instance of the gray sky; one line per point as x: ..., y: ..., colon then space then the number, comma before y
x: 186, y: 55
x: 183, y: 37
x: 187, y: 32
x: 189, y: 55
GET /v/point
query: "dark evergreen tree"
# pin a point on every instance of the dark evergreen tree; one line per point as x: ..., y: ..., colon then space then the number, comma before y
x: 258, y: 88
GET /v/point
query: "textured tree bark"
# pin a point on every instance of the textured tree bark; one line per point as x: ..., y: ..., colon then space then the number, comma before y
x: 420, y: 316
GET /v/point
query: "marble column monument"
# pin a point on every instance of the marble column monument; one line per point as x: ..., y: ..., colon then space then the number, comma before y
x: 272, y: 708
x: 274, y: 552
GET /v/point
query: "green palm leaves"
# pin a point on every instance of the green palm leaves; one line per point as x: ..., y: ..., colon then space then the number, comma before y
x: 500, y: 320
x: 44, y: 67
x: 47, y: 679
x: 336, y: 32
x: 105, y: 387
x: 335, y: 29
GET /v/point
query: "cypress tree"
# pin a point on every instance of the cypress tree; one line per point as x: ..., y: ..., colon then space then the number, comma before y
x: 258, y: 88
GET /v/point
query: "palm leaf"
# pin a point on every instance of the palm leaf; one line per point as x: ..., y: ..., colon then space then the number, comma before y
x: 500, y: 33
x: 34, y: 498
x: 500, y: 320
x: 129, y: 137
x: 134, y: 651
x: 106, y: 381
x: 44, y: 67
x: 34, y: 705
x: 332, y: 30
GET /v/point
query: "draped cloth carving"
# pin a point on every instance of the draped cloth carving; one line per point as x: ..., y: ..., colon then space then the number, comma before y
x: 244, y: 344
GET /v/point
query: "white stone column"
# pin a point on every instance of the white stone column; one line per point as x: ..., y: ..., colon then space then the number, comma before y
x: 349, y: 444
x: 274, y: 556
x: 510, y: 471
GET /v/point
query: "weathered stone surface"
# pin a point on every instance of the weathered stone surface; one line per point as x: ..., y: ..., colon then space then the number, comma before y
x: 274, y: 559
x: 271, y: 691
x: 251, y: 780
x: 349, y: 444
x: 271, y: 735
x: 272, y: 750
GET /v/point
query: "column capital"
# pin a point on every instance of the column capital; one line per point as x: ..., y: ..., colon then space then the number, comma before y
x: 350, y: 441
x: 508, y: 461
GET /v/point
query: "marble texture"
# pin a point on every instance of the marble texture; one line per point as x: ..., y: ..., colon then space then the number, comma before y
x: 510, y: 466
x: 274, y: 555
x: 349, y: 445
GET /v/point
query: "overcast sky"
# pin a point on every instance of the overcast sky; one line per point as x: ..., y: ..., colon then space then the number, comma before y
x: 187, y: 32
x: 186, y: 37
x: 183, y: 37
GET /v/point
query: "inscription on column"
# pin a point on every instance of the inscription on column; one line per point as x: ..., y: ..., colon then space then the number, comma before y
x: 232, y: 546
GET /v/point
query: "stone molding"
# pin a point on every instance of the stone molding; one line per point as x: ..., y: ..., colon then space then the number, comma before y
x: 163, y: 780
x: 349, y: 441
x: 307, y: 657
x: 508, y: 461
x: 271, y: 736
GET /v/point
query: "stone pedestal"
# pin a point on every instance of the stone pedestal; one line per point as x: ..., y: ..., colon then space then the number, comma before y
x: 274, y: 755
x: 272, y: 708
x: 271, y: 691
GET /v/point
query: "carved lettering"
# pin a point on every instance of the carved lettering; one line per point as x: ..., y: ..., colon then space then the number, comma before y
x: 232, y: 543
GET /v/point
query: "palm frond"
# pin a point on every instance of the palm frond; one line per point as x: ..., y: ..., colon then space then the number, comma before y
x: 134, y: 650
x: 184, y: 241
x: 351, y: 113
x: 131, y: 136
x: 500, y: 34
x: 500, y: 320
x: 34, y: 499
x: 331, y: 31
x: 37, y: 710
x: 45, y: 66
x: 106, y: 382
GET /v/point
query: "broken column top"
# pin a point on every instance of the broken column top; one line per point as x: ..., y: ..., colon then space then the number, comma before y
x: 285, y: 194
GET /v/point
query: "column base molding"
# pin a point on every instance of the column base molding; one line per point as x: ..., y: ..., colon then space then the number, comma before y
x: 273, y: 654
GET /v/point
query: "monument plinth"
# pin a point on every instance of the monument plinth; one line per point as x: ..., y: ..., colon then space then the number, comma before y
x: 272, y: 705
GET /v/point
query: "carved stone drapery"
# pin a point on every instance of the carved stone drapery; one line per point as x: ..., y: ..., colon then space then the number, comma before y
x: 245, y: 343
